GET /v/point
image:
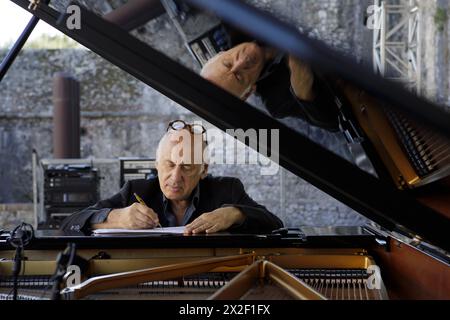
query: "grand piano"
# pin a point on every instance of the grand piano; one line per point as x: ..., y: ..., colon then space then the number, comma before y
x: 403, y: 253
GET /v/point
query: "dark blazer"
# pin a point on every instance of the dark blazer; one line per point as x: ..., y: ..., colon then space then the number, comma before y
x: 215, y: 192
x: 280, y: 101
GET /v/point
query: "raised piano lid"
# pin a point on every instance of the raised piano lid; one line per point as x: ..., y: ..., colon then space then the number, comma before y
x: 378, y: 200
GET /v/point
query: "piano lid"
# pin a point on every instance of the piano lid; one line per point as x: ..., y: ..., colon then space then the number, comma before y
x: 377, y: 198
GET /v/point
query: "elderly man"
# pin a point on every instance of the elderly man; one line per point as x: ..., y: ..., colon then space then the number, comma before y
x: 287, y: 86
x: 182, y: 195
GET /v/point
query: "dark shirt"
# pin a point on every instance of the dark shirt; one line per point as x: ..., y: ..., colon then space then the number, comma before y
x: 193, y: 203
x: 211, y: 193
x: 102, y: 215
x: 280, y: 101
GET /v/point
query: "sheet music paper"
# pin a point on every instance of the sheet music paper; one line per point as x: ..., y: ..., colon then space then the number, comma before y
x: 172, y: 230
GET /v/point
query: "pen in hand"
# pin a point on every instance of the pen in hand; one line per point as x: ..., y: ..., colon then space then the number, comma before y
x: 139, y: 199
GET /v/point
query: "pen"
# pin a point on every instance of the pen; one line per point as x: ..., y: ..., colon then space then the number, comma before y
x: 139, y: 199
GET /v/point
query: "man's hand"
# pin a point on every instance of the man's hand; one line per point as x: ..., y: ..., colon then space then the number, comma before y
x: 136, y: 216
x: 215, y: 221
x: 302, y: 79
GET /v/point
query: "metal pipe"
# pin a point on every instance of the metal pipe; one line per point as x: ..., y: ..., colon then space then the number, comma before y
x: 66, y: 116
x: 35, y: 187
x: 18, y: 45
x: 135, y: 13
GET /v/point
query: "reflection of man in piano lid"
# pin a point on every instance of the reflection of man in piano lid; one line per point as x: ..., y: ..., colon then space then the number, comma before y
x: 287, y: 86
x: 183, y: 194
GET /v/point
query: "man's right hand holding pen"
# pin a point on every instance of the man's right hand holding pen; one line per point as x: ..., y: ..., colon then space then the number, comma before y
x: 136, y: 216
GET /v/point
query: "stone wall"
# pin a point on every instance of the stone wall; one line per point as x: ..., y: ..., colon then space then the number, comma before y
x: 13, y: 214
x: 435, y: 31
x: 338, y: 23
x: 122, y: 117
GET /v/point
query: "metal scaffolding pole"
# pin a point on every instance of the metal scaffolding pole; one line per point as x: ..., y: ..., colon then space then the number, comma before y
x: 397, y: 42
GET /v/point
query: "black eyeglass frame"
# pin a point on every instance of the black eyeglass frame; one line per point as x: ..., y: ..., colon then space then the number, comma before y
x: 189, y: 126
x: 186, y: 125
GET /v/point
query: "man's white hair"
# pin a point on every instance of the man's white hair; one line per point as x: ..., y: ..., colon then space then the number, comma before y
x: 205, y: 68
x: 160, y: 143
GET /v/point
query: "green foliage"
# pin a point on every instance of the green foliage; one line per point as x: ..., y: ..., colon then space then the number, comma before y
x: 51, y: 42
x: 440, y: 18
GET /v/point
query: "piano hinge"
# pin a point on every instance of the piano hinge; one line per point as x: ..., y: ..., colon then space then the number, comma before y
x: 363, y: 252
x: 101, y: 255
x: 416, y: 241
x: 381, y: 237
x: 403, y: 237
x: 436, y: 252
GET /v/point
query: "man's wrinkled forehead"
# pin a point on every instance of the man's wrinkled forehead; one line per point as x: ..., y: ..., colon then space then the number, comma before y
x: 212, y: 64
x: 216, y: 72
x: 182, y: 147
